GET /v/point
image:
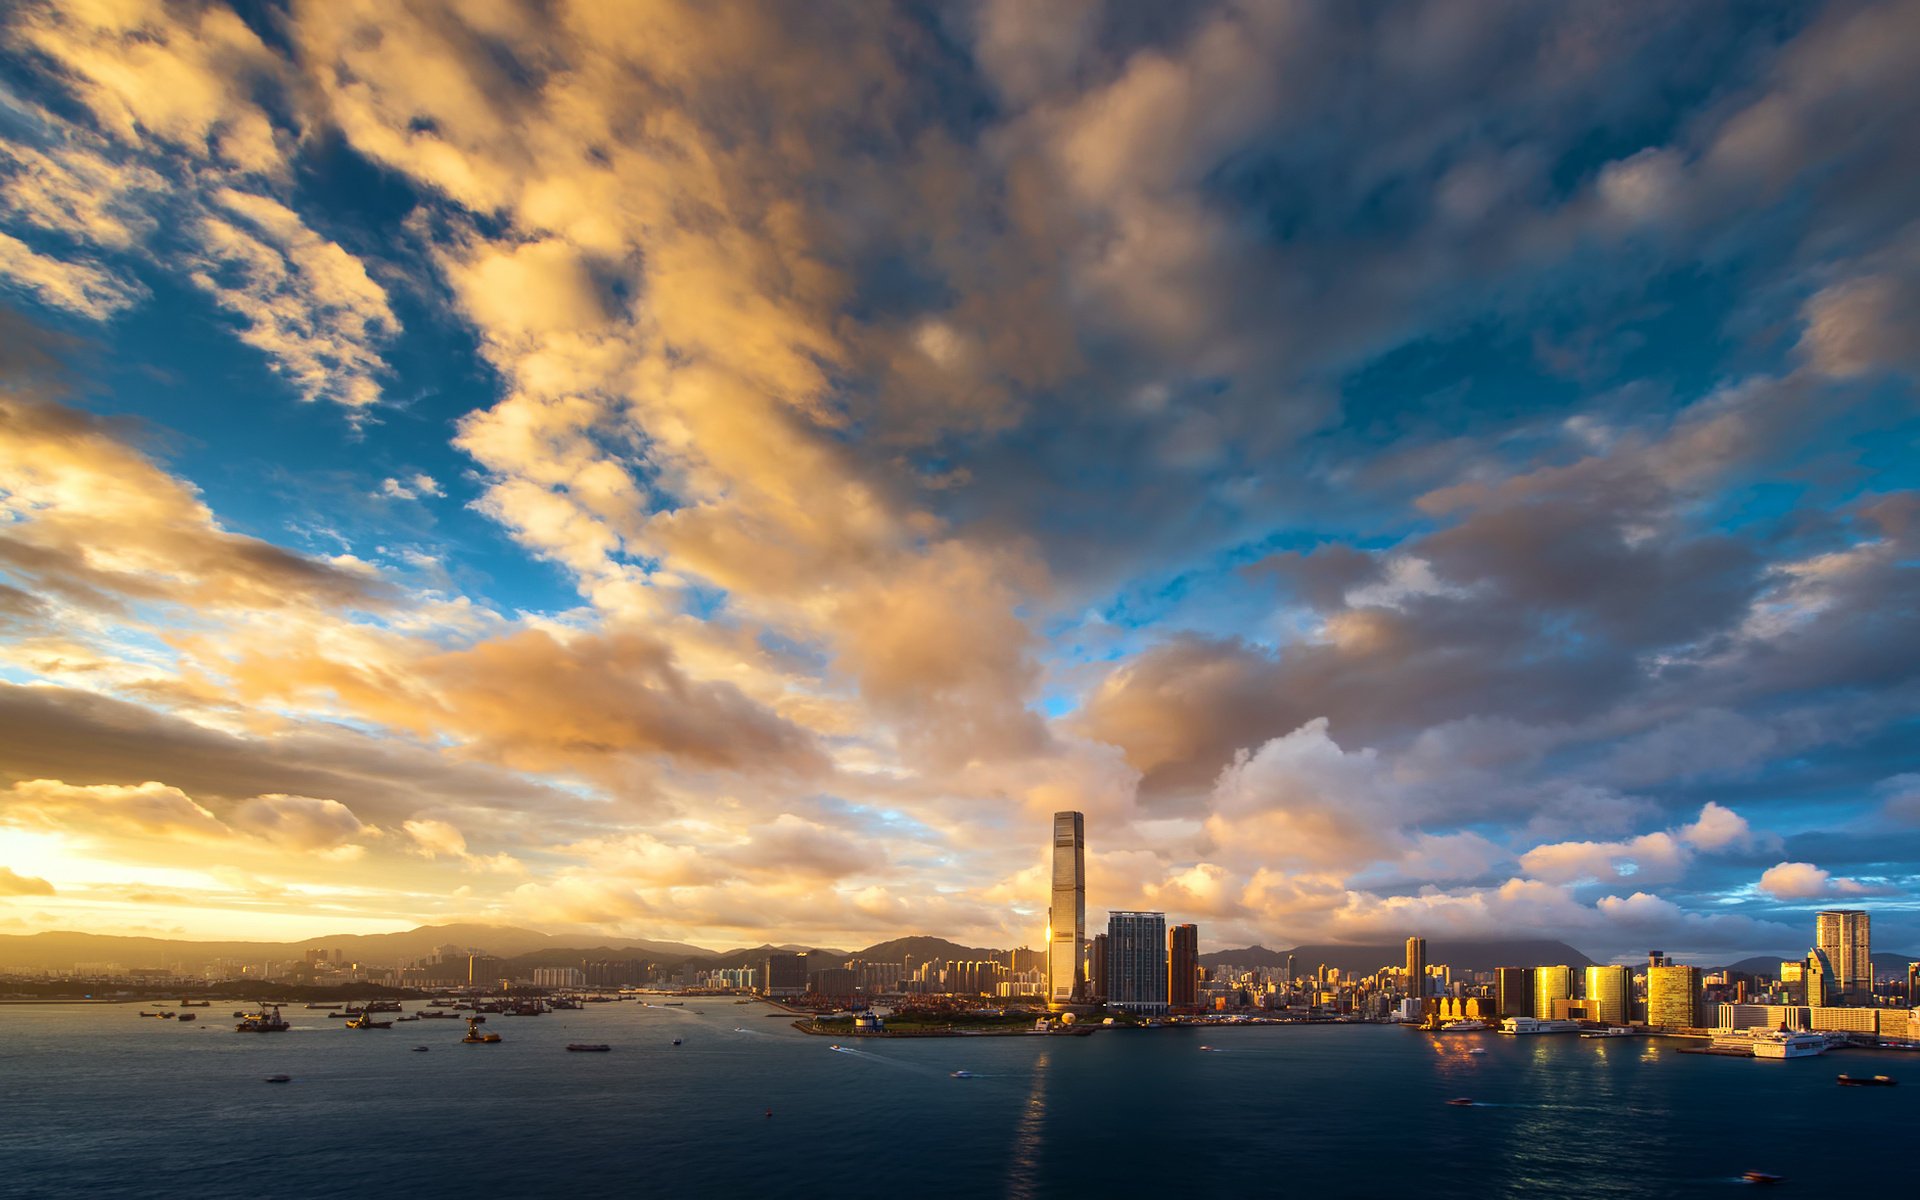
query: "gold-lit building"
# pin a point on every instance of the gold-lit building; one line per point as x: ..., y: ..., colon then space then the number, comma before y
x: 1845, y: 936
x: 1550, y: 984
x: 1416, y: 966
x: 1673, y: 997
x: 1610, y: 994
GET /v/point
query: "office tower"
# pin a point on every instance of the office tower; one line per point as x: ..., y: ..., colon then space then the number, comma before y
x: 785, y: 975
x: 1610, y: 994
x: 1137, y: 961
x: 1843, y: 935
x: 1067, y: 916
x: 1673, y: 997
x: 1416, y: 966
x: 1097, y: 981
x: 1513, y: 991
x: 1183, y: 966
x: 1550, y: 984
x: 1658, y: 958
x: 1821, y: 979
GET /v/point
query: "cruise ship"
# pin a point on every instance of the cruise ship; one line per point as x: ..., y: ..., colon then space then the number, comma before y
x: 1770, y: 1043
x: 1520, y: 1025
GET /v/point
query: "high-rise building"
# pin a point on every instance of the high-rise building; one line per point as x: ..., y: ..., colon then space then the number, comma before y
x: 1843, y: 934
x: 1137, y: 961
x: 1820, y: 979
x: 1097, y: 979
x: 1513, y: 991
x: 1067, y: 915
x: 1183, y: 966
x: 1658, y: 958
x: 1550, y: 984
x: 785, y: 975
x: 1913, y: 985
x: 1610, y: 994
x: 1673, y: 996
x: 1416, y: 966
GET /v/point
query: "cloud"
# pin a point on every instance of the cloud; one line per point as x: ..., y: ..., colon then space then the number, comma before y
x: 149, y: 809
x: 413, y: 487
x: 77, y: 286
x: 437, y: 838
x: 1804, y: 881
x: 298, y: 822
x: 13, y: 883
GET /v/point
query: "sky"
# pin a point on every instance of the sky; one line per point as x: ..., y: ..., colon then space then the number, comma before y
x: 729, y: 472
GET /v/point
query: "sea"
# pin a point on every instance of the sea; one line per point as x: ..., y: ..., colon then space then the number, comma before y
x: 722, y: 1099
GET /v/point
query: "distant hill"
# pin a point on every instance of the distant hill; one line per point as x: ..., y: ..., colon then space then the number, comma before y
x: 1461, y: 955
x: 924, y: 949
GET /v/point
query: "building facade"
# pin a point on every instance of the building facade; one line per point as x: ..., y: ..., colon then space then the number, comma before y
x: 1673, y: 997
x: 1513, y: 991
x: 1550, y: 984
x: 1097, y: 972
x: 1844, y: 934
x: 1067, y: 914
x: 1416, y: 966
x: 1610, y: 994
x: 1183, y: 966
x: 1137, y: 962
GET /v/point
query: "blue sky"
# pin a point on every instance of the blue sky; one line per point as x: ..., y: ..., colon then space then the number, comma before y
x: 713, y: 473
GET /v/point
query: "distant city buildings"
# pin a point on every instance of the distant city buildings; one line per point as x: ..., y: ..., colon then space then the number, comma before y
x: 1067, y: 915
x: 1843, y: 935
x: 1137, y: 962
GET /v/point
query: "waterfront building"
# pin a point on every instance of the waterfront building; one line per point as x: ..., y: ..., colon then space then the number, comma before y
x: 1137, y: 961
x: 1818, y: 980
x: 785, y: 974
x: 1913, y: 985
x: 1183, y: 966
x: 1513, y: 991
x: 1416, y: 966
x: 1673, y: 997
x: 1550, y: 984
x: 1843, y: 934
x: 1067, y: 915
x: 1610, y: 994
x: 1097, y: 976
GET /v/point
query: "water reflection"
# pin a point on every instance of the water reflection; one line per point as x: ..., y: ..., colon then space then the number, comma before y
x: 1023, y: 1163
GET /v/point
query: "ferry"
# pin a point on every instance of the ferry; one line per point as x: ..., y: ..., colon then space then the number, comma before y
x: 267, y: 1020
x: 1775, y: 1043
x: 1470, y: 1025
x: 1531, y: 1025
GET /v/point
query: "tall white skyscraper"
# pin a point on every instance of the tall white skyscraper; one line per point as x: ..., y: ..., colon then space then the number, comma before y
x: 1137, y: 961
x: 1067, y: 915
x: 1844, y: 935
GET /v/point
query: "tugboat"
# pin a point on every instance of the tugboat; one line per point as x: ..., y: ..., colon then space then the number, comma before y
x: 365, y: 1021
x: 1867, y: 1081
x: 267, y: 1020
x: 474, y: 1035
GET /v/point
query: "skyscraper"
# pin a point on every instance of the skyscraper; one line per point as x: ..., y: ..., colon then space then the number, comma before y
x: 1097, y: 981
x: 1843, y: 934
x: 1610, y: 994
x: 1673, y: 996
x: 1183, y: 966
x: 1416, y: 966
x: 1820, y: 986
x: 1550, y: 984
x: 1137, y: 961
x: 1513, y: 991
x: 1067, y: 915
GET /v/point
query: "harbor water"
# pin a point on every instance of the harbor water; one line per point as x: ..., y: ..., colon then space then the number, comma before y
x: 97, y: 1102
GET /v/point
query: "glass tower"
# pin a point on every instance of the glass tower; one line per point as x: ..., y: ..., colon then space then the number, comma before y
x: 1067, y: 915
x: 1843, y: 934
x: 1137, y: 961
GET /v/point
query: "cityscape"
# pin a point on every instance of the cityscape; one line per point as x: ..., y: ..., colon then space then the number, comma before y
x: 1029, y: 598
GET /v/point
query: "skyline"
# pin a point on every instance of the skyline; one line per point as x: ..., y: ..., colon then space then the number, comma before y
x: 693, y: 473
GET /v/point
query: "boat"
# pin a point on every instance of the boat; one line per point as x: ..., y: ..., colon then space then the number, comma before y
x: 1867, y: 1081
x: 365, y: 1021
x: 1470, y: 1025
x: 963, y: 1074
x: 375, y: 1006
x: 1461, y: 1102
x: 474, y: 1036
x: 589, y: 1047
x: 267, y: 1020
x: 323, y: 1006
x: 1478, y: 1050
x: 419, y: 1050
x: 1778, y: 1043
x: 1760, y: 1177
x: 148, y: 1014
x: 185, y: 1017
x: 676, y: 1041
x: 196, y: 1004
x: 279, y: 1079
x: 1532, y: 1025
x: 406, y: 1018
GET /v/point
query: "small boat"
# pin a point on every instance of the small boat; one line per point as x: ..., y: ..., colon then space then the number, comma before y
x: 1760, y: 1177
x: 185, y: 1017
x: 148, y: 1014
x: 963, y: 1074
x: 589, y: 1047
x: 1478, y: 1050
x: 1867, y: 1081
x: 365, y: 1021
x: 1461, y: 1102
x: 835, y: 1046
x: 676, y: 1041
x: 279, y: 1079
x: 419, y: 1050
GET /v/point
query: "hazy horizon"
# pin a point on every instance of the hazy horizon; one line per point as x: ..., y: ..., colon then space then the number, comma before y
x: 728, y: 474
